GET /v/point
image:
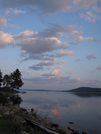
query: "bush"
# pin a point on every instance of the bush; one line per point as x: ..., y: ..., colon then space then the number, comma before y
x: 8, y: 126
x: 3, y: 98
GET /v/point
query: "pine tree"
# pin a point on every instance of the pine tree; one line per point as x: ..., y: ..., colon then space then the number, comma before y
x: 6, y: 80
x: 0, y: 78
x: 16, y: 79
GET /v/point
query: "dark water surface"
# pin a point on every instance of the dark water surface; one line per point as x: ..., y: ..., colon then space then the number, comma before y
x: 63, y: 107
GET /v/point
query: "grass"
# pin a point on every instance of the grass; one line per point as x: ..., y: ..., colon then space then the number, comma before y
x: 11, y: 126
x: 61, y: 131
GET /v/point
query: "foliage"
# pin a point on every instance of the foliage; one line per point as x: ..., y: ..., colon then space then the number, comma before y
x: 11, y: 126
x: 7, y: 81
x: 3, y: 98
x: 0, y: 78
x: 12, y: 81
x: 61, y: 131
x: 16, y: 79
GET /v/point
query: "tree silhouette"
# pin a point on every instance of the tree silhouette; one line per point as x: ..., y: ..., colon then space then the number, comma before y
x: 0, y: 78
x: 7, y: 80
x: 16, y: 79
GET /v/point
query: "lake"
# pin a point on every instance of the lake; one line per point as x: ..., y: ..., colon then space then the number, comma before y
x: 64, y: 107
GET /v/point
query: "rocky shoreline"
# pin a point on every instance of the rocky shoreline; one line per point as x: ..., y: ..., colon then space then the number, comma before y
x: 30, y: 123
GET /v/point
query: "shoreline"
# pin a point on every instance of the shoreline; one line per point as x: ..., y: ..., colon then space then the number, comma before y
x: 22, y: 116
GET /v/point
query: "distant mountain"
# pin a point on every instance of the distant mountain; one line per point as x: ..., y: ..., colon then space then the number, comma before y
x: 84, y: 89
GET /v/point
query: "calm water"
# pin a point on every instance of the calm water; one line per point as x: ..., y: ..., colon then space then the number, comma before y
x: 62, y: 107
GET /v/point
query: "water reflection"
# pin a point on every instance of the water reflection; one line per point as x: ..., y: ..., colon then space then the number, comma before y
x: 87, y: 95
x: 82, y: 109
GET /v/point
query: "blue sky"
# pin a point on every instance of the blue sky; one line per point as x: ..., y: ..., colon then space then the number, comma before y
x: 56, y: 44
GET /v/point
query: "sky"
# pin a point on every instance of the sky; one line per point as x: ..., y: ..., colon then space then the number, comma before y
x: 56, y: 44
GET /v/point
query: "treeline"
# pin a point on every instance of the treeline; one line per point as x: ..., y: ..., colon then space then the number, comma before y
x: 11, y: 81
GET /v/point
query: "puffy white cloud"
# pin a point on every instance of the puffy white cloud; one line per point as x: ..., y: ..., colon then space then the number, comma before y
x: 3, y: 21
x: 62, y: 61
x: 89, y: 57
x: 5, y: 39
x: 43, y: 41
x: 24, y: 35
x: 41, y: 65
x: 77, y: 37
x: 64, y: 53
x: 89, y: 16
x: 52, y: 6
x: 42, y: 45
x: 57, y: 71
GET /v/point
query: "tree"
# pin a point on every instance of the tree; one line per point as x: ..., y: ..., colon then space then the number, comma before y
x: 16, y: 79
x: 1, y: 78
x: 7, y: 80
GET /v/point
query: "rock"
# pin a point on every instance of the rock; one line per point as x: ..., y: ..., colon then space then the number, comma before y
x: 23, y: 109
x: 11, y: 112
x: 22, y: 132
x: 19, y: 120
x: 54, y: 125
x: 31, y: 117
x: 17, y: 107
x: 71, y: 122
x: 24, y: 92
x: 6, y: 113
x: 84, y: 132
x: 4, y: 109
x: 32, y: 109
x: 74, y: 131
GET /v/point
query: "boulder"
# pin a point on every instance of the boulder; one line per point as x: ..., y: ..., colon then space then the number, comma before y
x: 74, y: 131
x: 84, y: 132
x: 19, y: 120
x: 6, y: 113
x: 11, y: 113
x: 4, y: 109
x: 22, y: 132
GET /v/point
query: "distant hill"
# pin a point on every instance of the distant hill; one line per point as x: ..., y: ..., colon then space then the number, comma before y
x: 84, y: 89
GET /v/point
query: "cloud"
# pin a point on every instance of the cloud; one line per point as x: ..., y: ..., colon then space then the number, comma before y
x: 49, y: 7
x: 96, y: 8
x: 3, y: 21
x: 5, y: 39
x: 98, y: 68
x: 62, y: 61
x: 89, y: 16
x: 70, y: 73
x: 16, y: 12
x: 64, y: 53
x: 77, y: 60
x: 57, y: 71
x: 19, y: 11
x: 78, y: 38
x: 43, y: 41
x: 78, y: 78
x: 13, y: 25
x: 41, y: 65
x: 39, y: 45
x: 53, y: 77
x: 89, y: 57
